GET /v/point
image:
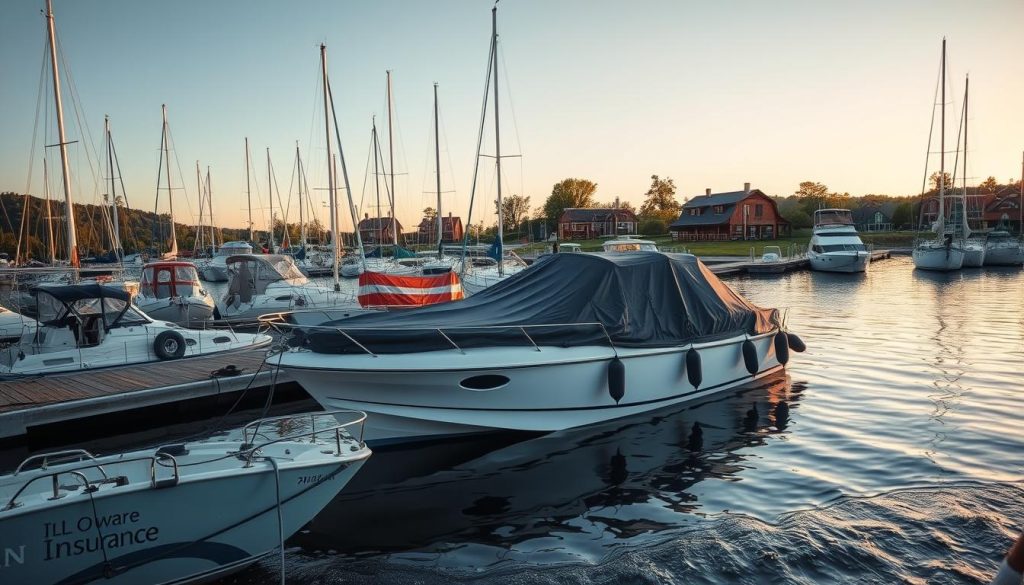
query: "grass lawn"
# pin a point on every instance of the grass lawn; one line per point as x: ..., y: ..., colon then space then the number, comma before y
x: 799, y: 240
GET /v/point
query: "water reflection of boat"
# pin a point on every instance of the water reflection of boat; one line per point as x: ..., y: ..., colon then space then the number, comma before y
x: 555, y: 483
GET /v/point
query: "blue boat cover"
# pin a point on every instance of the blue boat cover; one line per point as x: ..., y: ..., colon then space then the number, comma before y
x: 640, y: 299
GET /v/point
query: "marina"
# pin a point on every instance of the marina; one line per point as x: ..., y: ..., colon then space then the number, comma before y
x: 370, y: 364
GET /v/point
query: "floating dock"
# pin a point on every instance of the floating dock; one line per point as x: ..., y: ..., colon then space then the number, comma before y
x: 35, y: 401
x: 746, y: 266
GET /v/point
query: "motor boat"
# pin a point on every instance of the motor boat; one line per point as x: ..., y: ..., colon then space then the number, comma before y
x: 626, y: 244
x: 170, y: 291
x: 88, y: 326
x: 216, y: 270
x: 271, y: 283
x: 184, y: 513
x: 573, y: 340
x: 14, y: 325
x: 1002, y: 248
x: 835, y: 245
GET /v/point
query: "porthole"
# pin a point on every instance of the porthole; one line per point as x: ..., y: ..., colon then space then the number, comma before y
x: 484, y: 382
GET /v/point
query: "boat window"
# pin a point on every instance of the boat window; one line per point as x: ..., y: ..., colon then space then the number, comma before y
x: 844, y: 248
x: 817, y: 248
x: 484, y: 382
x: 165, y: 286
x: 185, y: 274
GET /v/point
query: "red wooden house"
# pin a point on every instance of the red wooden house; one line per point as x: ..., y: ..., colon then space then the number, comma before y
x: 736, y: 215
x: 376, y: 230
x: 584, y: 223
x: 451, y: 230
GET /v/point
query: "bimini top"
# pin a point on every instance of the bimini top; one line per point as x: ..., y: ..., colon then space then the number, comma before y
x: 643, y: 299
x: 271, y: 266
x: 71, y: 293
x: 55, y: 305
x: 832, y: 217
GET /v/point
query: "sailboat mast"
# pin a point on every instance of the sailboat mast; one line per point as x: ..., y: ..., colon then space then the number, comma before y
x: 209, y: 200
x: 942, y: 149
x: 248, y: 192
x: 335, y: 240
x: 270, y: 194
x: 115, y: 238
x: 497, y: 133
x: 376, y: 181
x: 65, y: 170
x: 967, y: 225
x: 302, y: 202
x: 49, y: 218
x: 170, y: 192
x: 437, y: 163
x: 202, y: 204
x: 391, y: 165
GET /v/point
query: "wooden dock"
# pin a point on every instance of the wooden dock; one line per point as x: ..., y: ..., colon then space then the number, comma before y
x: 41, y: 400
x: 747, y: 266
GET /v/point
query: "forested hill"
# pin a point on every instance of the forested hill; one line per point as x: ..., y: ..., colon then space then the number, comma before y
x: 140, y: 230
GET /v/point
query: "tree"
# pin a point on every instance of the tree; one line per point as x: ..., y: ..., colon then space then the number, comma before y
x: 935, y: 178
x: 514, y: 210
x: 429, y: 213
x: 903, y: 215
x: 660, y: 202
x: 569, y: 193
x: 620, y: 205
x: 797, y: 218
x: 989, y: 185
x: 653, y: 227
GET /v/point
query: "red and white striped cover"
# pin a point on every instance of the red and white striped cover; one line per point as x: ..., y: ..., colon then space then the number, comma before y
x: 377, y: 289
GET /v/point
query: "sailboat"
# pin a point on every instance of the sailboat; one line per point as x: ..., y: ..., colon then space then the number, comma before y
x: 1001, y: 247
x: 476, y: 278
x: 165, y: 165
x: 216, y: 270
x: 945, y: 251
x: 974, y: 247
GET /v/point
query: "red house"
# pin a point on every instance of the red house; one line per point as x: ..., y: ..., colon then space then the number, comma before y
x: 451, y: 230
x: 377, y: 230
x: 1003, y: 206
x: 584, y: 223
x: 737, y: 215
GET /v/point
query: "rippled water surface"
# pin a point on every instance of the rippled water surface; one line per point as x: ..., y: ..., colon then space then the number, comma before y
x: 890, y: 452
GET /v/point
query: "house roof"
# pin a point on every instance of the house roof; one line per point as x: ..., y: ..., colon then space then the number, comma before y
x: 866, y: 213
x: 376, y: 223
x: 705, y: 218
x: 594, y: 213
x: 447, y: 222
x: 707, y: 203
x: 729, y: 198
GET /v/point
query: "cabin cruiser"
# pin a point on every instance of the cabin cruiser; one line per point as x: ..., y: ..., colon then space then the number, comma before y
x: 170, y: 291
x: 626, y: 244
x: 88, y: 326
x: 573, y: 340
x: 14, y: 325
x: 835, y: 245
x: 216, y: 270
x: 1003, y: 248
x: 184, y: 513
x: 271, y: 283
x: 481, y: 274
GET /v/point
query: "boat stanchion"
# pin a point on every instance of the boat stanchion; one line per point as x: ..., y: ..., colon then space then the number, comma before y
x: 781, y: 348
x: 694, y: 371
x: 750, y: 356
x: 616, y: 379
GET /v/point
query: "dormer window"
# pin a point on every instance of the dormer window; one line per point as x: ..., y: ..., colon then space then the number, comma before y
x: 719, y: 208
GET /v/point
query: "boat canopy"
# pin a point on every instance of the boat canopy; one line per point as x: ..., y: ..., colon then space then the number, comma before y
x: 231, y: 248
x: 823, y: 217
x: 56, y: 304
x: 643, y: 299
x: 252, y: 273
x: 164, y: 280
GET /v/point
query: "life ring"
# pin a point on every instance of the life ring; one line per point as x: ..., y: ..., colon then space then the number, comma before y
x: 169, y: 345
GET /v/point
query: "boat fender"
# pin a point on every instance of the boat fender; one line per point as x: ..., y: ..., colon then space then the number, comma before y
x: 616, y: 380
x: 750, y: 356
x: 693, y: 368
x: 781, y: 348
x: 169, y: 345
x: 795, y: 343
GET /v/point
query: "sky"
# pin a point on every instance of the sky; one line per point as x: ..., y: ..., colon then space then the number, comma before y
x: 711, y: 94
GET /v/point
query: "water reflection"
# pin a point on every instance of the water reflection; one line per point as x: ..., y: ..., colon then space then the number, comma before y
x: 605, y: 484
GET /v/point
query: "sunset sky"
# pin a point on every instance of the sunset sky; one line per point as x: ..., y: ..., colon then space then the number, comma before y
x: 712, y: 94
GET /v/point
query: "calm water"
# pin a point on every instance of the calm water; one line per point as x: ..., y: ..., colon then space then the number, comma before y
x: 890, y: 452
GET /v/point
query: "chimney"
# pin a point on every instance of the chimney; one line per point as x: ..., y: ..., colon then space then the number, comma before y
x: 367, y: 216
x: 449, y: 215
x: 746, y: 188
x: 616, y: 202
x: 707, y: 192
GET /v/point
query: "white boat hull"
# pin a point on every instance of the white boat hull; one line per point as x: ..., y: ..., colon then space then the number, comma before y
x: 284, y: 298
x: 840, y: 261
x: 938, y: 257
x: 418, y: 396
x: 974, y: 254
x: 1004, y: 253
x: 214, y: 273
x: 184, y: 311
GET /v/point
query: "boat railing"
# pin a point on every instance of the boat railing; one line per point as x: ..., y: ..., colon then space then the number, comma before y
x: 334, y: 427
x: 59, y: 490
x: 277, y: 320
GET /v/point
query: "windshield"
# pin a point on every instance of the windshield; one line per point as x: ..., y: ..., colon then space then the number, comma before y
x: 833, y: 217
x: 839, y: 248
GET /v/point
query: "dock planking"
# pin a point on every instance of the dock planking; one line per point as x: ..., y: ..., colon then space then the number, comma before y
x: 38, y: 400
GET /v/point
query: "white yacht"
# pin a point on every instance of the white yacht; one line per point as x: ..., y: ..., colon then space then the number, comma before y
x: 90, y: 326
x: 574, y: 340
x: 184, y: 513
x: 170, y: 291
x: 1002, y: 248
x: 271, y: 283
x: 626, y: 244
x: 835, y: 245
x: 216, y: 270
x: 14, y: 325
